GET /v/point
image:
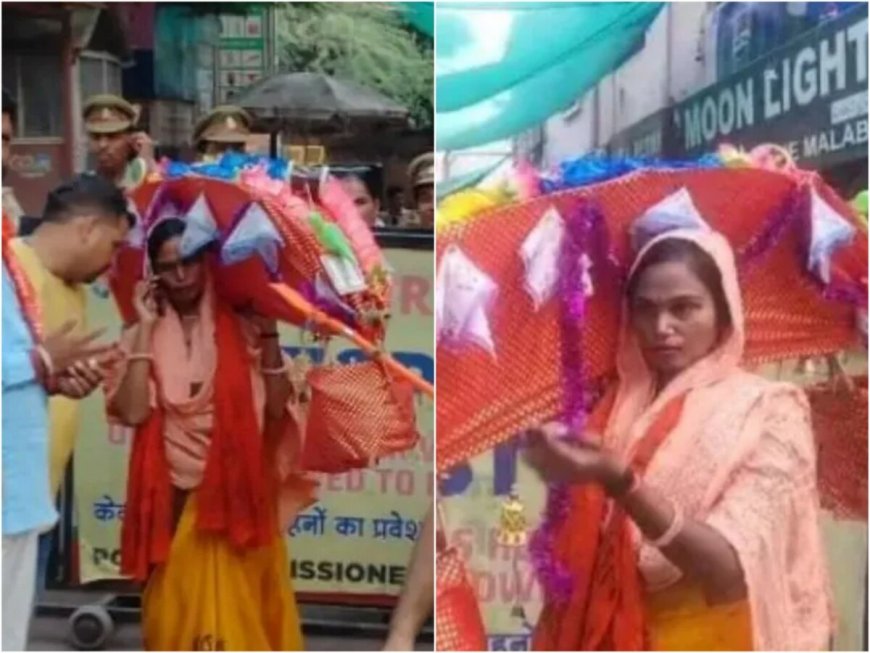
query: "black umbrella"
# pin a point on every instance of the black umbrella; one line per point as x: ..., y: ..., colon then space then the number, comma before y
x: 318, y: 99
x: 310, y: 103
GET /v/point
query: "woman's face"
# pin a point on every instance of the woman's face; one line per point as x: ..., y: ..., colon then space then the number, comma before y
x: 367, y: 206
x: 182, y: 279
x: 673, y: 315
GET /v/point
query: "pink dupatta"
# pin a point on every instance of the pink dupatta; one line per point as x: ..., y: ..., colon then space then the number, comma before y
x: 740, y: 457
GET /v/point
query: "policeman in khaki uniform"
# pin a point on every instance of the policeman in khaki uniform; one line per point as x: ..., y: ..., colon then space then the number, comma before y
x: 224, y: 128
x: 123, y: 154
x: 421, y: 173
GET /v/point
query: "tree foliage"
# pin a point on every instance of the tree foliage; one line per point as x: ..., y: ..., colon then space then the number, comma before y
x: 369, y: 43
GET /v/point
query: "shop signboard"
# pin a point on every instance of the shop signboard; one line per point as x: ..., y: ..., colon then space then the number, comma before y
x: 35, y: 168
x: 810, y: 96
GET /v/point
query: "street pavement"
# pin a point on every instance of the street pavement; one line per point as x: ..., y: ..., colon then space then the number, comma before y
x: 50, y: 634
x: 327, y: 628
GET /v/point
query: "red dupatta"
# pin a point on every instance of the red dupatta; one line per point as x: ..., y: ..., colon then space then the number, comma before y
x: 234, y: 498
x: 24, y: 290
x: 605, y: 611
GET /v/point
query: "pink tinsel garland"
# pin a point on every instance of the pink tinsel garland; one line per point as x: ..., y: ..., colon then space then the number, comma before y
x: 583, y: 225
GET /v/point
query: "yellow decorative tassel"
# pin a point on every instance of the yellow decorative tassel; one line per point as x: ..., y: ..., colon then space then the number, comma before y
x: 512, y: 533
x: 512, y: 525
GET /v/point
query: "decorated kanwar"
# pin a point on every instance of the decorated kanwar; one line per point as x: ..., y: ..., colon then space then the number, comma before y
x: 228, y: 430
x: 612, y: 323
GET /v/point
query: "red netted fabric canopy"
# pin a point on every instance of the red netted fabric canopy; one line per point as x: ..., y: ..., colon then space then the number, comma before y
x: 840, y: 425
x: 251, y: 219
x: 487, y: 393
x: 314, y: 264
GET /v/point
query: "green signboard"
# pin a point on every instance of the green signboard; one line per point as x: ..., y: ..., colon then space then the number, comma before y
x: 244, y: 47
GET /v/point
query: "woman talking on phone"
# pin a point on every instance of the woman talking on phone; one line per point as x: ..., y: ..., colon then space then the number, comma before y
x: 212, y: 477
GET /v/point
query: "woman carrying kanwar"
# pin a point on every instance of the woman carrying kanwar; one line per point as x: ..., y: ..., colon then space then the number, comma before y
x: 693, y: 519
x: 213, y: 480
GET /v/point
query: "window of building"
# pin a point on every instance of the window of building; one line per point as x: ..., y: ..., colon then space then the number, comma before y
x: 747, y: 31
x: 36, y: 82
x: 98, y: 73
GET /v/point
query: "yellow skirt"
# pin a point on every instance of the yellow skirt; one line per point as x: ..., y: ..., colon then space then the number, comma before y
x: 210, y: 597
x: 680, y: 620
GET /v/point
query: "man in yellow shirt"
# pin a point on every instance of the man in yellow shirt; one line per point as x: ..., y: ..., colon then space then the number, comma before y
x: 85, y: 221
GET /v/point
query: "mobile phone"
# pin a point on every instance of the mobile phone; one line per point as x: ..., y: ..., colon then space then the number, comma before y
x: 159, y: 295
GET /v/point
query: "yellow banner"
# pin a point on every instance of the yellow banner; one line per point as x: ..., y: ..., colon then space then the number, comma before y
x: 357, y: 539
x: 502, y: 577
x: 504, y: 580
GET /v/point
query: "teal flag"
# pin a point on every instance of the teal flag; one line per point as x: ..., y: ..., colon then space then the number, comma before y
x: 421, y: 16
x: 505, y: 67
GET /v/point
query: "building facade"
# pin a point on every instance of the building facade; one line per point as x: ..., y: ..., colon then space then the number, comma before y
x: 794, y: 74
x: 55, y: 54
x: 175, y: 61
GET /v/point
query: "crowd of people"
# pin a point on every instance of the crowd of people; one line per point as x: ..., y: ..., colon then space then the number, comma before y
x: 201, y: 528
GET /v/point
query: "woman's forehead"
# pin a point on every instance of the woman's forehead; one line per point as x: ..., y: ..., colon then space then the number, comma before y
x: 170, y: 249
x: 665, y: 281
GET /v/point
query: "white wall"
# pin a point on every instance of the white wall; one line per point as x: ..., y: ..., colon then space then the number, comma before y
x: 692, y: 66
x: 461, y: 162
x: 570, y: 133
x: 641, y: 82
x: 671, y: 66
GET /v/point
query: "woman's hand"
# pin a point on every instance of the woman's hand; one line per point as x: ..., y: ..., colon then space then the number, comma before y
x: 265, y: 326
x: 146, y: 301
x: 556, y: 458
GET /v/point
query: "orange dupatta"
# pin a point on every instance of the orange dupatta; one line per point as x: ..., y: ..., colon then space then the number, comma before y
x: 23, y: 288
x: 603, y: 558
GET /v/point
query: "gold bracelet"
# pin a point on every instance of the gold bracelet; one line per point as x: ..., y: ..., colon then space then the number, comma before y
x: 140, y: 357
